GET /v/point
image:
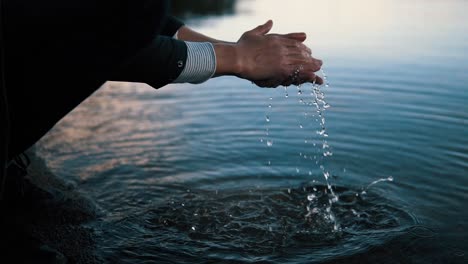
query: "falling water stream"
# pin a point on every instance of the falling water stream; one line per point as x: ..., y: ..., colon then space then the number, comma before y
x: 315, y: 107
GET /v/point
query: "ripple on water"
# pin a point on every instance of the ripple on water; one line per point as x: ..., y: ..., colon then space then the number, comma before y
x: 246, y: 225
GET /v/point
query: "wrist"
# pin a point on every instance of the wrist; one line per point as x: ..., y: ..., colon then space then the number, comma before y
x: 228, y: 59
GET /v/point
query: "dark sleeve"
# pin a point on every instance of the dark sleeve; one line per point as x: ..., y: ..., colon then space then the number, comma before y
x: 57, y: 53
x: 171, y: 26
x: 157, y: 65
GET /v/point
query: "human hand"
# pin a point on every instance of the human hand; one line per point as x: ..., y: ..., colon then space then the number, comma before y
x: 270, y: 60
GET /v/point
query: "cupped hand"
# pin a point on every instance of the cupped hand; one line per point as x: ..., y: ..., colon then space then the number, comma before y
x: 270, y: 60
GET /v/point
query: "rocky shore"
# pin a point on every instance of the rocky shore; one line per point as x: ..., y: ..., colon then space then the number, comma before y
x: 42, y: 219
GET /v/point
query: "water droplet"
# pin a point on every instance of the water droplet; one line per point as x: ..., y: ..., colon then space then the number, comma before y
x: 289, y: 190
x: 297, y: 170
x: 270, y: 229
x: 269, y: 143
x: 286, y: 95
x: 311, y: 197
x: 261, y: 140
x: 310, y: 173
x: 269, y: 163
x: 458, y: 252
x: 269, y: 106
x: 300, y: 125
x: 267, y: 118
x: 390, y: 178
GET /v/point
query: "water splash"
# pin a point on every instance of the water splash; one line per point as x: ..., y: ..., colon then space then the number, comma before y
x: 388, y: 179
x: 235, y: 220
x: 269, y: 143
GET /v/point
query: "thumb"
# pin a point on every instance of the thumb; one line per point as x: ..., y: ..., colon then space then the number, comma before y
x: 262, y: 29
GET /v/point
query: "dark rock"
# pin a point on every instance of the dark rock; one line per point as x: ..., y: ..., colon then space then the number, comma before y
x: 42, y: 219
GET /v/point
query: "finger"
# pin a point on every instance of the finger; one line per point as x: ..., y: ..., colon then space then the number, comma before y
x: 303, y: 55
x: 311, y: 77
x: 290, y: 79
x: 294, y: 45
x: 308, y: 63
x: 319, y: 80
x: 295, y: 48
x: 290, y: 42
x: 300, y: 36
x: 262, y: 29
x: 288, y: 82
x: 302, y: 73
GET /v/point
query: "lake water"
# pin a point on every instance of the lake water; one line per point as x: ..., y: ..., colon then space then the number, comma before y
x: 181, y: 173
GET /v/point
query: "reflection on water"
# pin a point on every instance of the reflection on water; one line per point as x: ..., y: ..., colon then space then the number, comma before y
x: 399, y: 107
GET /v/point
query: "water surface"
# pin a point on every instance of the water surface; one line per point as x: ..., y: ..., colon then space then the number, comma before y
x: 181, y: 174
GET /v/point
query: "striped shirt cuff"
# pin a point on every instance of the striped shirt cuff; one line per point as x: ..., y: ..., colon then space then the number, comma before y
x: 200, y: 65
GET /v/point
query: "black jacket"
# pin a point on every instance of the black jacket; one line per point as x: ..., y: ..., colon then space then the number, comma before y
x: 58, y: 52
